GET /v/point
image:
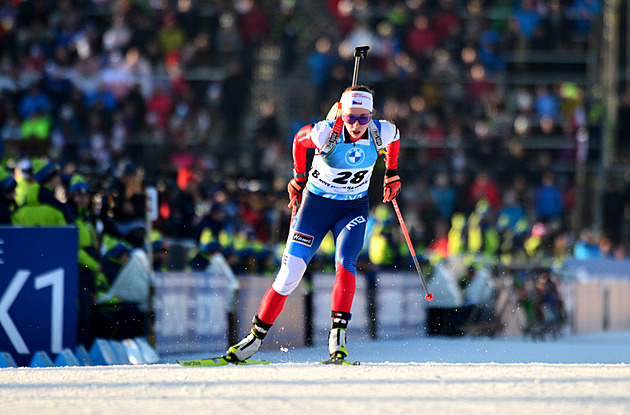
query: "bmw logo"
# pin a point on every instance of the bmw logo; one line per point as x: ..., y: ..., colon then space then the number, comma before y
x: 354, y: 156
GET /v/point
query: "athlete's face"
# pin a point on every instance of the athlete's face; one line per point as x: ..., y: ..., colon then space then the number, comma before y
x: 356, y: 129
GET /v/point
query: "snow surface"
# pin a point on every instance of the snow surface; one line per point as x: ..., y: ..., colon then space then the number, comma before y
x: 576, y: 374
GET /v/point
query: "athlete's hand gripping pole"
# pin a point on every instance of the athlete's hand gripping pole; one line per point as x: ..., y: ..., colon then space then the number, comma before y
x: 428, y: 295
x: 295, y: 188
x: 391, y: 186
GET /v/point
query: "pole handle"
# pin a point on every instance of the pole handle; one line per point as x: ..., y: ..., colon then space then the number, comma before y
x: 360, y: 52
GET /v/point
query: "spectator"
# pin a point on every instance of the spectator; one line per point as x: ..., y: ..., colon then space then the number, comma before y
x: 444, y: 68
x: 606, y: 247
x: 527, y: 19
x: 159, y: 108
x: 134, y: 110
x: 585, y: 11
x: 118, y: 35
x: 483, y: 187
x: 42, y: 208
x: 556, y: 27
x: 183, y: 206
x: 512, y: 215
x: 546, y: 103
x: 620, y: 252
x: 586, y: 247
x: 171, y: 37
x: 447, y: 19
x: 490, y: 52
x: 548, y: 200
x: 253, y: 22
x: 270, y: 147
x: 421, y: 38
x: 36, y: 134
x: 34, y: 102
x: 24, y: 178
x: 523, y: 23
x: 479, y: 86
x: 435, y: 136
x: 161, y: 254
x: 235, y: 91
x: 122, y: 313
x: 444, y: 195
x: 7, y: 196
x: 287, y: 33
x: 320, y: 62
x: 101, y: 97
x: 116, y: 77
x: 229, y: 40
x: 210, y: 259
x: 92, y: 282
x: 56, y: 84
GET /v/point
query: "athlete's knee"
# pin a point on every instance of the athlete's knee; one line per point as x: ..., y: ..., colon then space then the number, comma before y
x: 290, y: 274
x: 346, y: 265
x: 285, y: 289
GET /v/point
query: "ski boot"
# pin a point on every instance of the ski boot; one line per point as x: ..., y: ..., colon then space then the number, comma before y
x: 337, y: 344
x: 337, y: 340
x: 244, y: 349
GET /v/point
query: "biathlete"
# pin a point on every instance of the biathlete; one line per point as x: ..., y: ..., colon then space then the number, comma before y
x: 336, y: 199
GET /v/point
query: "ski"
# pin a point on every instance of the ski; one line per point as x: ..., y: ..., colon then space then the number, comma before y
x: 218, y: 361
x: 335, y: 361
x: 222, y: 361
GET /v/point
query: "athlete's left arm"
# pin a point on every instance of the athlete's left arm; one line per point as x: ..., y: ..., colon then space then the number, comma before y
x: 391, y: 136
x: 391, y: 185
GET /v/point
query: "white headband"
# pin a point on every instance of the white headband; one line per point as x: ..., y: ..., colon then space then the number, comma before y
x: 356, y: 99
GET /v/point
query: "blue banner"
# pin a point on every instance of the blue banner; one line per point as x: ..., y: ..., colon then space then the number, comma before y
x: 38, y: 290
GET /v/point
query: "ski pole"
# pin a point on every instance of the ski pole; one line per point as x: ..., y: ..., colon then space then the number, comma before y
x: 293, y: 213
x: 360, y: 52
x: 428, y: 295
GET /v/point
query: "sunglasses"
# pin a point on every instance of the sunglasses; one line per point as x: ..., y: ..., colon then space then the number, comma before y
x: 351, y: 119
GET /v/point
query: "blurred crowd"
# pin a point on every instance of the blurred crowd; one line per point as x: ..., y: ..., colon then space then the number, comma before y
x: 130, y: 94
x: 471, y: 135
x: 474, y: 87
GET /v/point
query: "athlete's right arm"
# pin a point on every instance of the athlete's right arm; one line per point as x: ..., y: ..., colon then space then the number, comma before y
x: 301, y: 142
